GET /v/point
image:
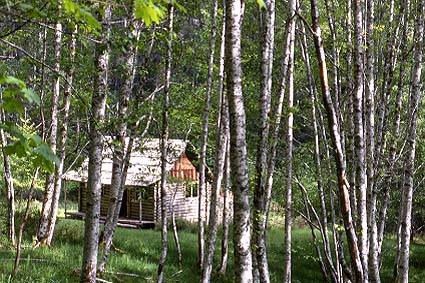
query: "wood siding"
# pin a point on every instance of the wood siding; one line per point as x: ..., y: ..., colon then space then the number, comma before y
x: 183, y: 182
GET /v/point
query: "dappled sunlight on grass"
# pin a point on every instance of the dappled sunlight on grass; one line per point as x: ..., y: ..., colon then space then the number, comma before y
x: 137, y: 252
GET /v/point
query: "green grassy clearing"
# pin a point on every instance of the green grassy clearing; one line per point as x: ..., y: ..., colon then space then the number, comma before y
x: 139, y: 253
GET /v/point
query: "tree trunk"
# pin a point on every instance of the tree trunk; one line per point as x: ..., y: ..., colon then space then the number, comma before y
x: 267, y: 19
x: 343, y: 185
x: 238, y: 151
x: 63, y: 139
x: 91, y: 228
x: 43, y: 228
x: 359, y: 144
x: 373, y: 260
x: 287, y: 259
x: 118, y: 178
x: 405, y: 12
x: 409, y: 161
x: 204, y: 140
x: 221, y: 146
x: 8, y: 180
x: 225, y: 221
x: 334, y: 274
x: 164, y: 145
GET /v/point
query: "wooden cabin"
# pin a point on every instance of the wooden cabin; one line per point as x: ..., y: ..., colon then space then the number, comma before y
x: 141, y: 199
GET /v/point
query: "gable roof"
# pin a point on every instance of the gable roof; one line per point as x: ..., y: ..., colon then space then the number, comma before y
x: 145, y: 162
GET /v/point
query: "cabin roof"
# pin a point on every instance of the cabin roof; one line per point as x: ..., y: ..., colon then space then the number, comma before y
x: 145, y: 162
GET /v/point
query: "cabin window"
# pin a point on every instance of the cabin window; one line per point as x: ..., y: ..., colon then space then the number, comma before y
x: 191, y: 189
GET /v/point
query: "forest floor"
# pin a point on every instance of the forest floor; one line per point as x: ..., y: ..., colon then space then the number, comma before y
x: 137, y: 252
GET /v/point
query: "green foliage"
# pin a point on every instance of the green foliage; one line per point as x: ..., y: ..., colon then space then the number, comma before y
x: 81, y: 14
x: 149, y: 12
x: 25, y: 145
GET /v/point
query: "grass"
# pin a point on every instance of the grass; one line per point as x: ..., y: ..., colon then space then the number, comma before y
x: 138, y: 253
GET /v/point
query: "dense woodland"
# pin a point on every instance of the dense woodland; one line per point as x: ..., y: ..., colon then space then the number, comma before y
x: 310, y: 110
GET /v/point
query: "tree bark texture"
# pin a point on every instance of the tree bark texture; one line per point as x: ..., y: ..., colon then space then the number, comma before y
x: 42, y: 233
x: 91, y: 228
x: 118, y: 178
x: 8, y: 180
x: 63, y: 139
x: 267, y: 19
x: 343, y: 184
x: 220, y: 158
x: 409, y: 161
x: 359, y: 141
x: 287, y: 254
x: 164, y: 145
x: 238, y: 151
x: 204, y: 141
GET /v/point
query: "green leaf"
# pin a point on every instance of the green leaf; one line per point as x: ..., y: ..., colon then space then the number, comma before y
x: 31, y: 96
x: 46, y: 152
x: 148, y: 11
x: 12, y: 80
x: 11, y: 104
x: 261, y: 4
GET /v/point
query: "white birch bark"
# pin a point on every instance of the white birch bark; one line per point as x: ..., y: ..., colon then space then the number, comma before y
x: 91, y: 227
x: 238, y: 151
x: 267, y: 19
x: 63, y: 139
x: 221, y: 148
x: 118, y: 178
x: 204, y: 141
x: 8, y: 180
x: 42, y: 233
x: 287, y: 254
x: 343, y: 185
x: 164, y: 145
x: 409, y: 161
x: 359, y: 140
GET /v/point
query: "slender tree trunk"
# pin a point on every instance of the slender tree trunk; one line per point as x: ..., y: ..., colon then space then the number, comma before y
x: 226, y: 188
x: 118, y: 178
x: 287, y: 254
x: 175, y: 232
x: 238, y: 151
x: 409, y: 161
x: 405, y: 12
x: 343, y: 185
x: 267, y: 19
x: 23, y: 223
x: 221, y: 146
x: 63, y: 139
x: 42, y: 233
x: 91, y: 228
x: 359, y: 144
x: 319, y: 179
x: 164, y: 145
x: 350, y: 120
x: 8, y: 180
x: 225, y: 221
x: 373, y: 260
x: 202, y: 165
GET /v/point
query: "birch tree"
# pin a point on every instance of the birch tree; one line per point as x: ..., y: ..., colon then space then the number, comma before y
x: 221, y: 148
x: 409, y: 159
x: 267, y: 19
x: 238, y: 151
x: 343, y: 185
x: 288, y: 154
x: 164, y: 144
x: 118, y: 178
x: 91, y: 227
x: 42, y: 233
x: 63, y: 137
x: 204, y: 140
